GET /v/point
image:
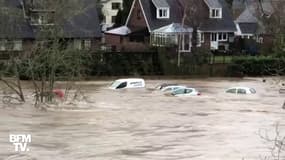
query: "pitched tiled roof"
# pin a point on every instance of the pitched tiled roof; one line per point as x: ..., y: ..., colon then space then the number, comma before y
x: 213, y: 3
x: 248, y: 21
x: 13, y: 24
x: 247, y: 16
x: 265, y: 5
x: 174, y: 28
x: 248, y: 28
x: 238, y: 4
x: 161, y: 3
x: 176, y: 14
x: 224, y: 24
x: 123, y: 30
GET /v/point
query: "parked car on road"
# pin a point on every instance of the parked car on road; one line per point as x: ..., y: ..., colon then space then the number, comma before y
x: 241, y: 90
x: 128, y: 83
x: 186, y: 92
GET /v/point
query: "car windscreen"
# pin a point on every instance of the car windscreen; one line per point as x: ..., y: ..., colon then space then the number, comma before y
x: 253, y: 91
x: 233, y: 90
x: 115, y: 84
x: 122, y: 85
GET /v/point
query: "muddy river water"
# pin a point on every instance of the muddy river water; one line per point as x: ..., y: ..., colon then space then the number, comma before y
x: 143, y: 124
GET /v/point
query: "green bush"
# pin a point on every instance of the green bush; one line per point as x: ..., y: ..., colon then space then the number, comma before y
x: 257, y: 66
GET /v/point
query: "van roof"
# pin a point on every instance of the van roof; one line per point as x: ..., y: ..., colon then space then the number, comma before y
x: 131, y: 79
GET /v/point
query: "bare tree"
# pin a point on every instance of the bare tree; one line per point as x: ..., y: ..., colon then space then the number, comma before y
x: 272, y: 21
x: 10, y: 20
x: 52, y: 57
x: 277, y: 143
x: 194, y: 17
x: 13, y: 82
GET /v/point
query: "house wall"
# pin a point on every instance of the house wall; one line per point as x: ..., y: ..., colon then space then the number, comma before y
x: 204, y: 10
x: 227, y: 44
x: 79, y: 43
x: 136, y: 19
x: 28, y: 45
x: 108, y: 12
x: 122, y: 43
x: 113, y: 41
x: 207, y: 41
x: 136, y: 22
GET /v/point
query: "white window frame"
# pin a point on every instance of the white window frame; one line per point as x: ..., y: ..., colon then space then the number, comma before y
x: 182, y: 45
x: 202, y: 37
x: 216, y: 13
x: 2, y: 45
x: 116, y: 3
x: 87, y: 44
x: 165, y: 13
x: 212, y: 37
x: 222, y: 39
x: 77, y: 44
x: 18, y: 45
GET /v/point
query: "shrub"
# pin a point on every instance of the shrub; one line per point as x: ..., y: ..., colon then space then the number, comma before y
x: 257, y: 66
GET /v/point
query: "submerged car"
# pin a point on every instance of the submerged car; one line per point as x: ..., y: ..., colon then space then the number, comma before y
x: 241, y: 90
x: 172, y: 88
x: 186, y: 92
x: 128, y: 83
x: 162, y: 86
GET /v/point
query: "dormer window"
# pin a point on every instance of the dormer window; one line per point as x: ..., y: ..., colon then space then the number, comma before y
x: 215, y: 13
x: 162, y: 9
x: 162, y: 13
x: 42, y: 18
x: 215, y: 8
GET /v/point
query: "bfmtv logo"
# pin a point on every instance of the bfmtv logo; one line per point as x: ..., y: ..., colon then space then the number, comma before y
x: 20, y: 141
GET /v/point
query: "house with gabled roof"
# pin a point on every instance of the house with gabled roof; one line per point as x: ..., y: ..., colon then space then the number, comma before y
x: 21, y: 22
x: 154, y: 23
x: 217, y: 28
x: 251, y: 31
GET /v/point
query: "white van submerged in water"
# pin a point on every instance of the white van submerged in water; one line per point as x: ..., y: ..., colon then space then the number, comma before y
x: 128, y: 83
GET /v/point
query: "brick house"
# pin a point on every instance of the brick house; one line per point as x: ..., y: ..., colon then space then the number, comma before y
x: 154, y: 23
x: 21, y: 25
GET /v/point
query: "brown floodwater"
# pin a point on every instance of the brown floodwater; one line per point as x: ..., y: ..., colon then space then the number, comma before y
x: 144, y: 124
